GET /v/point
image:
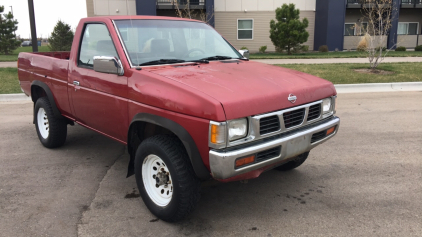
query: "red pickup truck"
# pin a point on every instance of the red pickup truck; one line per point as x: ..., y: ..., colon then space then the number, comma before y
x: 187, y: 104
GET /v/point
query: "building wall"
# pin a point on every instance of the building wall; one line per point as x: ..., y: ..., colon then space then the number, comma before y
x: 353, y: 16
x: 351, y: 42
x: 227, y: 12
x: 411, y: 15
x: 408, y: 41
x: 111, y: 7
x: 90, y: 8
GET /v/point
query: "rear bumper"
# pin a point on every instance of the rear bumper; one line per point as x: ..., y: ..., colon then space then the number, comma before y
x: 222, y: 163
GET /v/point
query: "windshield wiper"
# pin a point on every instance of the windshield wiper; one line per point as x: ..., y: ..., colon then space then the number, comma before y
x: 199, y: 61
x: 216, y: 57
x: 162, y: 61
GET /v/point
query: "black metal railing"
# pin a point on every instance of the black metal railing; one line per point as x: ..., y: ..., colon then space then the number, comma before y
x: 180, y: 2
x: 408, y: 2
x: 411, y: 2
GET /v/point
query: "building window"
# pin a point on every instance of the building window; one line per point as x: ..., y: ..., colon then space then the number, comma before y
x: 245, y: 29
x: 351, y: 29
x: 408, y: 28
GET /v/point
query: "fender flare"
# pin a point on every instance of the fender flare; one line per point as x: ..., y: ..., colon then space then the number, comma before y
x: 195, y: 157
x: 50, y: 97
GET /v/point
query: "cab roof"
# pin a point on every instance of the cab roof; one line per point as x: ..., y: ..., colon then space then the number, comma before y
x: 141, y: 18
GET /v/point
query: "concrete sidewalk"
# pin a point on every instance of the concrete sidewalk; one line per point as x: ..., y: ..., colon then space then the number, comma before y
x: 336, y: 60
x: 8, y: 64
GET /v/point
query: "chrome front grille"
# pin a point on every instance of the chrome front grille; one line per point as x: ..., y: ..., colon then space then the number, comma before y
x: 269, y: 124
x: 288, y: 119
x: 293, y: 118
x: 278, y: 122
x: 314, y: 112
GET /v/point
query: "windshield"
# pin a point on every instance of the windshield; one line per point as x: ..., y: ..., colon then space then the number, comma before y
x: 150, y: 42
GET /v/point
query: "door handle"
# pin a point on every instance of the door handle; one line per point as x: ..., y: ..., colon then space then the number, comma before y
x: 76, y: 83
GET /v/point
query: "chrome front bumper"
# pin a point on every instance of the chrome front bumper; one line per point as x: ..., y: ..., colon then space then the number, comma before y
x: 222, y: 163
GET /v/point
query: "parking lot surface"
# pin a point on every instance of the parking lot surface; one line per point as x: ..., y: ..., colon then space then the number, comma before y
x: 366, y: 181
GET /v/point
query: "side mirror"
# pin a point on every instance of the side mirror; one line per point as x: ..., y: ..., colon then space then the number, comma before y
x: 108, y: 64
x: 244, y: 53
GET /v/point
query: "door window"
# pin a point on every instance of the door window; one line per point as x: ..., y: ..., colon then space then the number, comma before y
x: 96, y: 41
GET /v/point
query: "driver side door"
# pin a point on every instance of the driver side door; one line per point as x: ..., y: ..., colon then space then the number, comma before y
x: 99, y: 99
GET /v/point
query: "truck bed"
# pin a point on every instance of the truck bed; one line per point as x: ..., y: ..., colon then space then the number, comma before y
x: 50, y: 68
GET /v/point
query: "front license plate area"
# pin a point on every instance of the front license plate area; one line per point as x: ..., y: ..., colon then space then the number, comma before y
x: 297, y: 146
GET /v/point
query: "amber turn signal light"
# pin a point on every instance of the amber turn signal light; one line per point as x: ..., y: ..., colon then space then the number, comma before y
x: 245, y: 161
x: 331, y: 130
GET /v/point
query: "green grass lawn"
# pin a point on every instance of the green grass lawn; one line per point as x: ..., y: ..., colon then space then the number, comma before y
x: 330, y: 55
x: 344, y: 74
x: 9, y: 81
x: 336, y: 73
x: 14, y: 56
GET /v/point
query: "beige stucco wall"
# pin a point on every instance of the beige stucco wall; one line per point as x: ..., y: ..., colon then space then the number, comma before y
x: 90, y: 8
x: 351, y: 42
x: 226, y: 25
x: 408, y: 41
x: 110, y: 7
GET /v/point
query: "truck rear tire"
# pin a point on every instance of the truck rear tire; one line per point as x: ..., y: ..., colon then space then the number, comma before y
x: 52, y: 131
x: 165, y: 178
x: 296, y: 162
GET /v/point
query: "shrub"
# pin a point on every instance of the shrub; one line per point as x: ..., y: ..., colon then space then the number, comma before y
x: 262, y: 49
x: 401, y: 48
x: 244, y: 48
x: 304, y: 48
x: 278, y: 50
x: 378, y: 49
x: 363, y: 45
x: 323, y: 49
x: 418, y: 48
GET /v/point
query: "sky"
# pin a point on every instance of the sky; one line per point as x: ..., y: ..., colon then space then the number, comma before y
x: 47, y: 13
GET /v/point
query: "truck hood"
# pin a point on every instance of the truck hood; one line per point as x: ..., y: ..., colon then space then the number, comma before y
x: 246, y: 88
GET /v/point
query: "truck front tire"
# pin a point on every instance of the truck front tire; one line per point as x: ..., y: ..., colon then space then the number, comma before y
x: 165, y: 178
x: 52, y: 131
x: 296, y: 162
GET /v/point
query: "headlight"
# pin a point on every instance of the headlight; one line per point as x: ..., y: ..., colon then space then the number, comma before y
x: 238, y: 129
x: 326, y: 105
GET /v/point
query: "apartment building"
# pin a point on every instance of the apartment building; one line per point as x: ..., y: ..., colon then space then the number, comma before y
x: 335, y: 23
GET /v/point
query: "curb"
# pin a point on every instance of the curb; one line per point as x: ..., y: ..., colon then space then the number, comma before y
x: 14, y: 97
x: 341, y: 89
x: 378, y: 87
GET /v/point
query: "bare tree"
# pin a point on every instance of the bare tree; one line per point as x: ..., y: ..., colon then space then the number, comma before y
x: 379, y: 15
x: 187, y: 12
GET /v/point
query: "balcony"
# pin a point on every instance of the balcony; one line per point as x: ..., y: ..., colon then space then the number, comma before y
x: 171, y: 4
x: 411, y: 3
x: 365, y: 3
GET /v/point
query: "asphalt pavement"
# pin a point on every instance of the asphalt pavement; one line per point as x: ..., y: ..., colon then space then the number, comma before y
x: 366, y: 181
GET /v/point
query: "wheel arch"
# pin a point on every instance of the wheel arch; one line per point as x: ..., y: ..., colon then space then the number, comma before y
x: 40, y: 89
x: 143, y: 120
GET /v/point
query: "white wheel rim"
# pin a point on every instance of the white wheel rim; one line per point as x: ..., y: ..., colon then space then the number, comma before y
x: 43, y: 125
x: 151, y: 167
